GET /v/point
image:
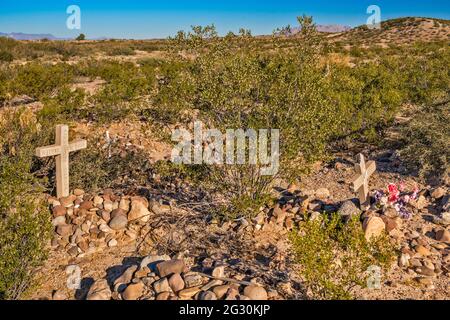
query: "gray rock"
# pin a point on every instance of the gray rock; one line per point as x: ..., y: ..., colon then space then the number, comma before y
x: 445, y: 203
x: 404, y: 260
x: 125, y: 278
x: 152, y: 260
x: 99, y: 291
x: 443, y: 220
x: 208, y: 296
x: 348, y: 210
x: 193, y: 280
x: 59, y: 221
x: 59, y: 295
x: 219, y: 272
x: 161, y: 285
x: 73, y: 251
x: 133, y: 291
x: 64, y: 230
x: 425, y: 271
x: 438, y: 193
x: 21, y: 100
x: 117, y: 212
x: 119, y: 222
x: 112, y: 243
x: 255, y: 293
x: 167, y: 268
x: 176, y: 283
x: 322, y: 193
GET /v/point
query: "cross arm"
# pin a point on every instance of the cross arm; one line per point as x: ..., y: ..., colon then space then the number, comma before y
x: 49, y: 151
x: 371, y: 167
x: 77, y: 145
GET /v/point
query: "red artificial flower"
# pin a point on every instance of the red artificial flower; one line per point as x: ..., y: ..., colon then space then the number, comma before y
x: 394, y: 194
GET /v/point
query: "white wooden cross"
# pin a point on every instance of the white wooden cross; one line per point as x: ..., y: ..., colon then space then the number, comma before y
x: 61, y: 150
x: 361, y: 184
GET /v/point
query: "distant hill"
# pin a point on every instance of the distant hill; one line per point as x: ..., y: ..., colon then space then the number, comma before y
x: 333, y: 28
x: 28, y: 36
x: 325, y: 28
x: 400, y: 31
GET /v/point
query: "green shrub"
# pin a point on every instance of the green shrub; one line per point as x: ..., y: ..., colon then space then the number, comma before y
x: 39, y: 80
x: 24, y: 218
x: 334, y: 257
x: 101, y: 166
x: 427, y: 76
x: 426, y: 143
x: 228, y: 84
x: 3, y: 85
x: 121, y: 51
x: 123, y: 94
x: 81, y: 37
x: 6, y: 56
x: 241, y: 88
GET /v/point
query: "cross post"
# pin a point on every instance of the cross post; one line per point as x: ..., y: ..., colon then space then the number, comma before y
x: 361, y: 184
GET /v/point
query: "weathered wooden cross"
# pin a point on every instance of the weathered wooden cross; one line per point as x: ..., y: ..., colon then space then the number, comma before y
x: 361, y: 184
x: 61, y: 150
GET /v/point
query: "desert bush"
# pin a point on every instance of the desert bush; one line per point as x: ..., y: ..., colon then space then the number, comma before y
x: 104, y: 166
x: 126, y: 88
x: 7, y: 50
x: 4, y: 79
x: 40, y: 80
x: 239, y: 88
x: 426, y: 146
x: 66, y: 105
x: 24, y: 219
x: 230, y: 86
x: 121, y: 51
x: 334, y: 256
x: 426, y: 74
x: 6, y: 56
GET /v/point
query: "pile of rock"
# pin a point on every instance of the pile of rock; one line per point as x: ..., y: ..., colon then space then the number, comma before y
x: 425, y: 253
x: 424, y: 258
x: 295, y: 205
x: 162, y: 278
x: 86, y: 224
x: 292, y: 208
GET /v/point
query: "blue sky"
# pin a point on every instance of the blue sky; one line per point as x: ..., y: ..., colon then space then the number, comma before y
x: 162, y: 18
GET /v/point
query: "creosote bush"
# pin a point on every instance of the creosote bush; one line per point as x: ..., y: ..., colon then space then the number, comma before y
x: 426, y: 143
x: 335, y: 257
x: 24, y: 219
x: 39, y: 80
x: 228, y: 84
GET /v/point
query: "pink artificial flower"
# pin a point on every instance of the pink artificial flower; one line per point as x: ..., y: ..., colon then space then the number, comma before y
x: 406, y: 198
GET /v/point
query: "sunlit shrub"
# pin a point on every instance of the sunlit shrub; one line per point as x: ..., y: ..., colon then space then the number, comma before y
x: 335, y: 257
x: 24, y: 219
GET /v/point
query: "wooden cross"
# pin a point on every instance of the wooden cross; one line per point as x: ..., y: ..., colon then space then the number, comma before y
x: 361, y: 184
x: 61, y: 150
